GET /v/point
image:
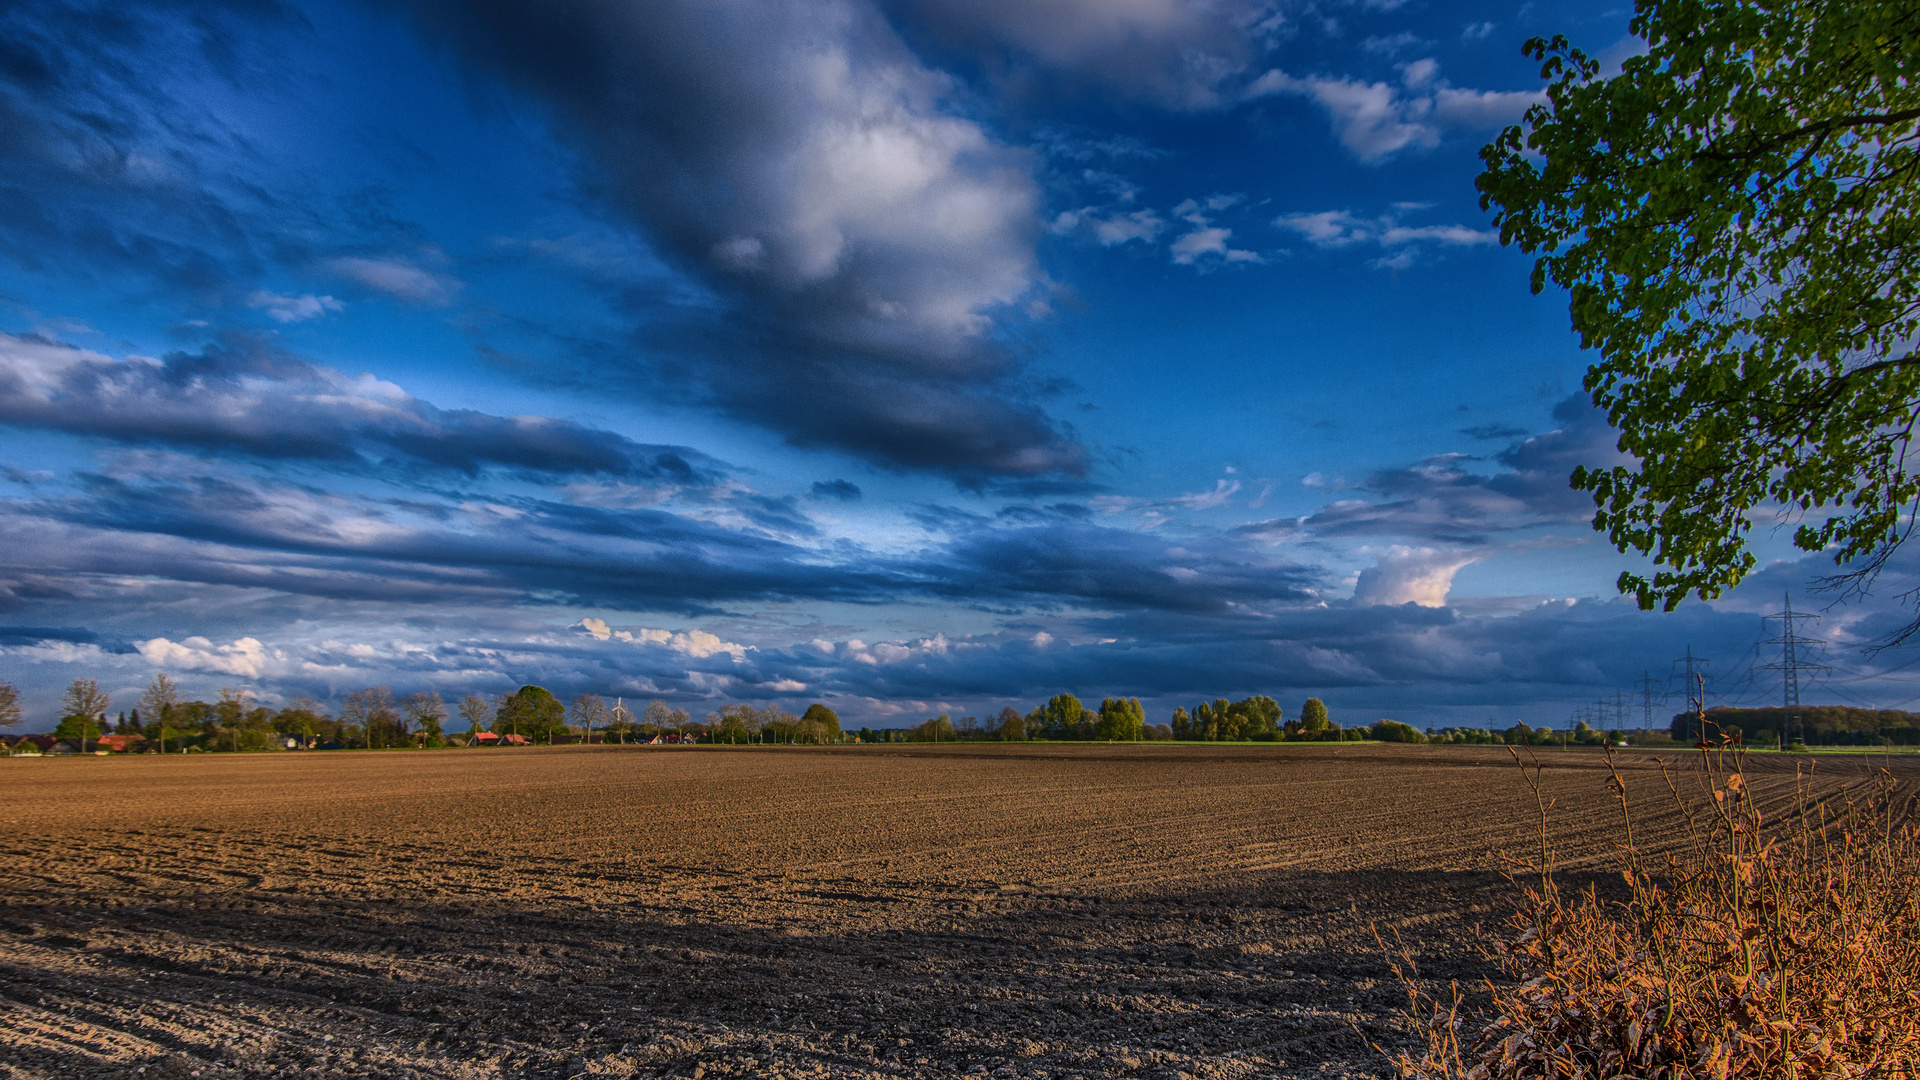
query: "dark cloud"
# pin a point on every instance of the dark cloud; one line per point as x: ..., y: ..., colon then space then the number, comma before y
x: 243, y: 396
x: 864, y: 239
x: 838, y: 490
x: 1072, y: 563
x: 1173, y: 53
x: 1495, y: 432
x: 1440, y: 501
x: 104, y: 172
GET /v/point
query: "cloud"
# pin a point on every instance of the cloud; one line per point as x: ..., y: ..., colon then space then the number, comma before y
x: 291, y: 309
x: 399, y: 279
x: 698, y: 644
x: 1375, y: 120
x: 245, y: 657
x: 1174, y: 53
x: 863, y: 238
x: 242, y: 395
x: 1337, y: 229
x: 837, y: 490
x: 1404, y: 575
x: 1440, y: 502
x: 1207, y: 239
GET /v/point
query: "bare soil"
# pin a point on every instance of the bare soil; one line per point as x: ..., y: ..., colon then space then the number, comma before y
x: 1011, y: 911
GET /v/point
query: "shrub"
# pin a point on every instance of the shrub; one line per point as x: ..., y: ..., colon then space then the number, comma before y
x: 1394, y: 731
x: 1767, y: 946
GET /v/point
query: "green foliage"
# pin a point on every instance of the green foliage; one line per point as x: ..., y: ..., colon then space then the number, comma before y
x: 1059, y: 718
x: 828, y: 720
x: 1010, y: 725
x: 530, y: 711
x: 939, y: 729
x: 1394, y: 731
x: 1120, y: 720
x: 1313, y: 717
x: 1822, y: 725
x: 1219, y: 720
x: 1737, y: 218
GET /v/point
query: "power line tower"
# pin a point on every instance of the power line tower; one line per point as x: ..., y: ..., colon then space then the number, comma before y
x: 1620, y: 710
x: 1792, y: 660
x: 1691, y: 671
x: 1647, y: 695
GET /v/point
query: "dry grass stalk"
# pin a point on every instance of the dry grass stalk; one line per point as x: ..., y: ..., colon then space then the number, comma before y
x: 1784, y: 946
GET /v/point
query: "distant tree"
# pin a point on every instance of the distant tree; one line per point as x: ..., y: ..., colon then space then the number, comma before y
x: 1259, y: 717
x: 9, y: 705
x: 1159, y: 732
x: 1395, y: 732
x: 161, y: 702
x: 478, y: 712
x: 1182, y: 726
x: 1518, y: 735
x: 1120, y: 720
x: 532, y: 712
x: 1314, y: 723
x: 1012, y: 726
x: 372, y: 710
x: 825, y: 717
x: 659, y: 717
x: 937, y: 730
x: 1060, y: 717
x: 590, y: 711
x: 239, y: 724
x: 425, y: 712
x: 303, y: 717
x: 84, y: 707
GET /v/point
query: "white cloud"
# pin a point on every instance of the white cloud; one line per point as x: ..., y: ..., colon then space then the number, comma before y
x: 1378, y: 119
x: 58, y: 652
x: 1476, y: 31
x: 1410, y: 575
x: 697, y: 644
x: 245, y: 657
x: 1333, y: 229
x: 291, y: 309
x: 399, y: 279
x: 1207, y: 239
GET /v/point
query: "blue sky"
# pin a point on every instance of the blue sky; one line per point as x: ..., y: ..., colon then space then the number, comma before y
x: 913, y: 357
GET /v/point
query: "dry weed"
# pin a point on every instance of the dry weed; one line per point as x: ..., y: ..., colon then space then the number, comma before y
x: 1767, y: 946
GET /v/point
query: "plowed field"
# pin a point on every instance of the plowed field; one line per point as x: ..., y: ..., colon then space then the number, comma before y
x: 1020, y: 911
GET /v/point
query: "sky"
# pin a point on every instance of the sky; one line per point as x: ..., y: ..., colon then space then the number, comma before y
x: 913, y: 357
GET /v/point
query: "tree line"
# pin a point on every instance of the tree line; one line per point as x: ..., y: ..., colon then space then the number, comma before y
x: 165, y: 720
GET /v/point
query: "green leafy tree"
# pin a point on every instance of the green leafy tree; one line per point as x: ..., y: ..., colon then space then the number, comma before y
x: 1059, y: 718
x: 1395, y: 732
x: 1120, y: 720
x: 828, y: 720
x: 1011, y: 726
x: 1736, y: 216
x: 531, y: 712
x: 1182, y: 725
x: 1259, y: 717
x: 83, y: 711
x: 1314, y: 722
x: 303, y: 717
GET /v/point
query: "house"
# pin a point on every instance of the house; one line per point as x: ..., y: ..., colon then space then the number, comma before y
x: 510, y: 739
x: 22, y: 745
x: 121, y: 744
x: 484, y: 738
x: 62, y: 748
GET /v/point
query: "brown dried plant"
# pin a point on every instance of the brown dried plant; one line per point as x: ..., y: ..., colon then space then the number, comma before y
x: 1779, y: 946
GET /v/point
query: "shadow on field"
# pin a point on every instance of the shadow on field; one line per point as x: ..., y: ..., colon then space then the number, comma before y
x: 1277, y: 980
